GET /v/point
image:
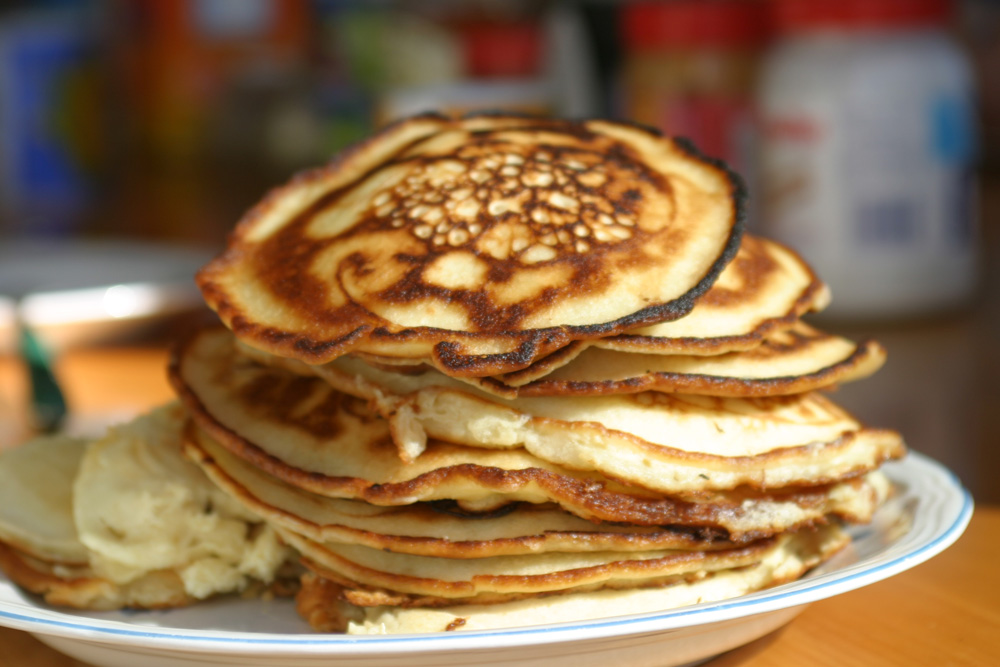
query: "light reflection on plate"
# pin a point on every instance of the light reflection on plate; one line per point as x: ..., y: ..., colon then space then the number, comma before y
x: 80, y: 292
x: 929, y: 512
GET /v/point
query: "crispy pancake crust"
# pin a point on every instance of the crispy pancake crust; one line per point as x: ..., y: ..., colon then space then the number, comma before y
x: 334, y: 605
x: 759, y: 295
x: 482, y: 243
x: 745, y: 514
x: 666, y: 444
x: 78, y: 587
x: 764, y: 290
x: 435, y: 581
x: 302, y: 431
x: 792, y: 361
x: 432, y: 529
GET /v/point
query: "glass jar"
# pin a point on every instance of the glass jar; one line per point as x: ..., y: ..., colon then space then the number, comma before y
x: 867, y: 147
x: 690, y: 68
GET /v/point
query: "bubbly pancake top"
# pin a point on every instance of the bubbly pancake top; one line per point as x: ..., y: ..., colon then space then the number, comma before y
x: 481, y: 242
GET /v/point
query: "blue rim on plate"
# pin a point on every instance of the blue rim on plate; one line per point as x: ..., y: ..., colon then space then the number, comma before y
x: 929, y: 496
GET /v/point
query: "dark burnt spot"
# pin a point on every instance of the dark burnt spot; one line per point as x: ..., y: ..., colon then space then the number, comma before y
x: 500, y: 272
x: 411, y: 288
x: 450, y: 356
x: 316, y: 350
x: 455, y: 625
x: 359, y: 264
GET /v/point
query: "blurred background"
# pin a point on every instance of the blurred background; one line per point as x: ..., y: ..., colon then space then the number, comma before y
x: 134, y: 133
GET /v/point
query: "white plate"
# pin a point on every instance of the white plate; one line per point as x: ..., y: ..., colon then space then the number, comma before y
x: 929, y: 513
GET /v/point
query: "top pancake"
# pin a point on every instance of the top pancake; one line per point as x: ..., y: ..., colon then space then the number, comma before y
x: 481, y: 243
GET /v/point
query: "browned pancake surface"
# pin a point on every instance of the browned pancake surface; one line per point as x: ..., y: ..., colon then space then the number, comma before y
x: 433, y: 529
x: 304, y: 432
x: 791, y: 361
x: 481, y: 243
x: 764, y: 290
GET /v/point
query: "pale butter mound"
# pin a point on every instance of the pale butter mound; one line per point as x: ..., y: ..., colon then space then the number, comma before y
x: 140, y: 506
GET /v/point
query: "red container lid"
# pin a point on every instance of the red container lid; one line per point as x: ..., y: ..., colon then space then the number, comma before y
x: 651, y: 26
x: 798, y: 15
x: 501, y: 49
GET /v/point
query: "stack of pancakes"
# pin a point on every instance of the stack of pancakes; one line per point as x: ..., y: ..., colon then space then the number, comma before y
x: 497, y: 370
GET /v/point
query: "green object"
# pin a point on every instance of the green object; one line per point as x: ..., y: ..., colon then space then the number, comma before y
x: 47, y: 401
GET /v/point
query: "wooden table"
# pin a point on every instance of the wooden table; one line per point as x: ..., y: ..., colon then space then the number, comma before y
x: 944, y: 612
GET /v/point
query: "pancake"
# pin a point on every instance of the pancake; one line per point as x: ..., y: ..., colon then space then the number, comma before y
x: 78, y: 586
x: 304, y: 432
x: 51, y: 519
x: 139, y: 506
x: 761, y: 293
x: 485, y: 480
x: 39, y: 547
x: 480, y: 243
x: 765, y: 289
x: 327, y: 606
x: 36, y: 500
x: 430, y: 581
x: 791, y: 361
x: 670, y: 443
x: 432, y: 529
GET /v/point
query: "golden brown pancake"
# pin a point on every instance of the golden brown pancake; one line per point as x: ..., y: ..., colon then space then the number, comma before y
x: 673, y: 443
x: 790, y: 361
x: 481, y: 243
x: 303, y: 431
x: 485, y: 480
x: 760, y: 294
x: 432, y: 529
x: 480, y: 372
x: 330, y: 606
x: 434, y: 581
x: 765, y: 289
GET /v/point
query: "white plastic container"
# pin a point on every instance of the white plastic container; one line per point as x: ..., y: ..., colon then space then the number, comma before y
x: 868, y: 127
